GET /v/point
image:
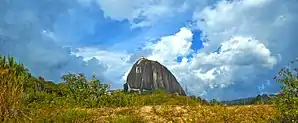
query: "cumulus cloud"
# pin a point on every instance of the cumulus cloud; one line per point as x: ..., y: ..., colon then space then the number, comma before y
x: 252, y: 42
x: 248, y: 18
x: 240, y: 51
x: 239, y: 61
x: 168, y: 48
x: 268, y: 41
x: 245, y: 42
x: 244, y: 45
x: 117, y: 63
x: 234, y: 63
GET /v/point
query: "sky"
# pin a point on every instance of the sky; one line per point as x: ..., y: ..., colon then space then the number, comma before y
x: 218, y: 49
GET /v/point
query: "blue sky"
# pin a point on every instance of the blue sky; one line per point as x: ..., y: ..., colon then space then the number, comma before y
x: 108, y: 36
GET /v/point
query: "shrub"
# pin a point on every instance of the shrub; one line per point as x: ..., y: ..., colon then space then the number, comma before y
x: 258, y: 100
x: 86, y: 93
x: 214, y: 102
x: 12, y: 78
x: 287, y: 101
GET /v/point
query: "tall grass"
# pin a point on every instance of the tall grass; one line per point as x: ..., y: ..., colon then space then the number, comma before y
x: 12, y: 79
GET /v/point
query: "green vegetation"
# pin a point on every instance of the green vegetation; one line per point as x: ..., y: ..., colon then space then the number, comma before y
x: 25, y: 98
x: 12, y: 77
x: 287, y: 101
x: 260, y: 99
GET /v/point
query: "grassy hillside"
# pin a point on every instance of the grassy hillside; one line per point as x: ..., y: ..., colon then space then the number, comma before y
x: 25, y: 98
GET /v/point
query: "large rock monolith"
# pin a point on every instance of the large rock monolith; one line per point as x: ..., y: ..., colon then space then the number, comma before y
x: 151, y: 75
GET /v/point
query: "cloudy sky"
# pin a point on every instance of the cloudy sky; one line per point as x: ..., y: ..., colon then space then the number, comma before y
x: 223, y: 49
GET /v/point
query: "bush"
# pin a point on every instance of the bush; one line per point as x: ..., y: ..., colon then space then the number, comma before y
x: 258, y: 100
x: 214, y: 102
x: 287, y: 101
x: 12, y: 78
x: 84, y: 92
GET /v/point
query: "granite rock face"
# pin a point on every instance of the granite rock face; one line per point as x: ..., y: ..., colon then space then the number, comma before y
x: 150, y: 75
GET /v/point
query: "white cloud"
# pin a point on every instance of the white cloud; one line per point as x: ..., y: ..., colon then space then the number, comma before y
x: 170, y: 47
x: 233, y: 64
x: 254, y: 42
x: 208, y: 70
x: 117, y: 63
x: 239, y: 51
x: 166, y: 51
x: 253, y: 39
x: 248, y: 19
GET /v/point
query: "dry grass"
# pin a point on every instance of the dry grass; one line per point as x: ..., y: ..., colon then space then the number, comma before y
x: 185, y: 114
x: 12, y: 79
x: 11, y: 92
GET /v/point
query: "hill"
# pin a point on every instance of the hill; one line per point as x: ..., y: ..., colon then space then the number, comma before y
x: 260, y: 99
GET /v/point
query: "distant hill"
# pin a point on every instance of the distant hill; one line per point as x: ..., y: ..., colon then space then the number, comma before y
x: 264, y: 99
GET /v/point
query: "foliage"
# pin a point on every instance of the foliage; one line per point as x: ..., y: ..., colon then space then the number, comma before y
x: 287, y: 101
x: 258, y: 100
x: 214, y: 102
x: 82, y: 91
x: 12, y: 78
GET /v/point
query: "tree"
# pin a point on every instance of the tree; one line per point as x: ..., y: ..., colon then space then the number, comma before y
x: 83, y: 91
x: 287, y: 101
x: 258, y: 100
x: 77, y: 86
x: 214, y: 102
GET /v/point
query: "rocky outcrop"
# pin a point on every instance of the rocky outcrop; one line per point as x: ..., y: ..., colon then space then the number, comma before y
x: 150, y: 75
